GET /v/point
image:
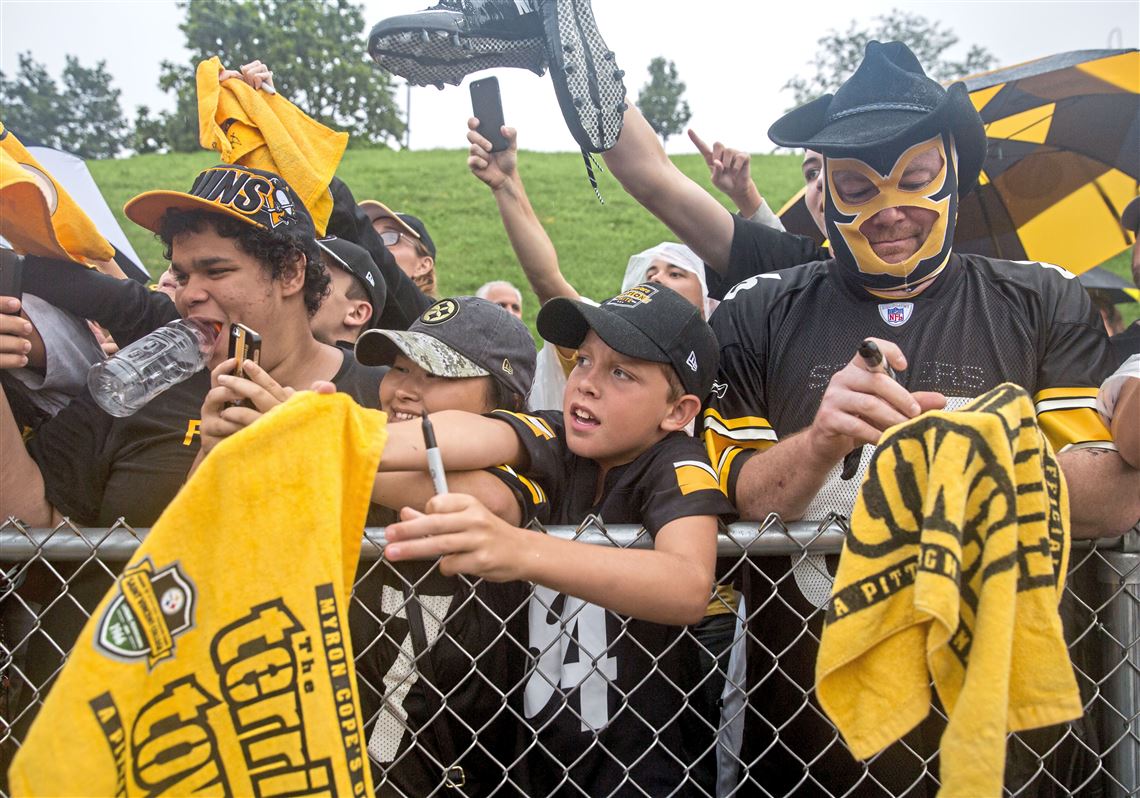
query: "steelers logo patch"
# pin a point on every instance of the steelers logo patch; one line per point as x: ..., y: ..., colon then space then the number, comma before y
x: 440, y: 312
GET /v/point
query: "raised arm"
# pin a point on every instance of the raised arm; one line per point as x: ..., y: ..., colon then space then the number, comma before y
x: 533, y: 247
x: 639, y: 162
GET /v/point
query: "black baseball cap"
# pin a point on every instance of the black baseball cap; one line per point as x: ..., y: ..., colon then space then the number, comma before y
x: 257, y: 197
x: 459, y: 337
x: 358, y: 262
x: 647, y: 321
x: 411, y: 224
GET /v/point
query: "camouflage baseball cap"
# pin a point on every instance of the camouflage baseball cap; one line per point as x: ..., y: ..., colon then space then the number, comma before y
x: 459, y: 337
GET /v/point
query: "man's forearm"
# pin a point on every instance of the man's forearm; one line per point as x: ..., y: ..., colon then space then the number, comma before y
x: 782, y: 479
x: 640, y: 164
x: 531, y: 243
x: 1104, y: 492
x: 21, y: 483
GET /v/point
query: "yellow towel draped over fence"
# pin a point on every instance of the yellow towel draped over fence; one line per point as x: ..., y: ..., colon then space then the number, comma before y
x: 266, y: 131
x: 953, y: 569
x: 220, y: 661
x: 38, y: 216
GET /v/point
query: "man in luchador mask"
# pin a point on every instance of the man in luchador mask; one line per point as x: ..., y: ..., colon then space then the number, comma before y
x: 793, y: 398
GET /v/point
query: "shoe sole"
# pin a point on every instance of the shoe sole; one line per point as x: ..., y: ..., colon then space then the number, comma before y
x: 587, y: 80
x: 441, y: 51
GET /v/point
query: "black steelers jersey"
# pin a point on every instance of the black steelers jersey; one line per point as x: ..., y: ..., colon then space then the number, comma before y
x: 600, y: 688
x: 983, y: 322
x: 783, y: 335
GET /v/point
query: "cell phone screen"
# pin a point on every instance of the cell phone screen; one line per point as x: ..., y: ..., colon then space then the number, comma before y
x: 487, y: 106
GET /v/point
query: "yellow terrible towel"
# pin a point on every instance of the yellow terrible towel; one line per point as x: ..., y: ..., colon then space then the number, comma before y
x: 266, y: 131
x: 39, y: 217
x: 220, y: 661
x: 953, y: 568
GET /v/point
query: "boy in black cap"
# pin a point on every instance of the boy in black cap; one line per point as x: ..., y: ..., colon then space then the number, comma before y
x: 356, y: 295
x: 601, y: 688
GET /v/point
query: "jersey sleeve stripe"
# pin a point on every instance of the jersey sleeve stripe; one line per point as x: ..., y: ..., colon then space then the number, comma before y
x: 538, y: 426
x: 693, y: 475
x: 742, y: 429
x: 1048, y: 405
x: 536, y: 493
x: 1071, y: 426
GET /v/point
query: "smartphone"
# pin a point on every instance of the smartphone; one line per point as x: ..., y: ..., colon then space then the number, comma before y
x: 487, y: 106
x: 11, y: 274
x: 245, y: 344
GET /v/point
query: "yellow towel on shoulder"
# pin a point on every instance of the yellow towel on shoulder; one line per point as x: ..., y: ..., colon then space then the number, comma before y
x: 953, y: 569
x: 266, y: 131
x: 38, y: 216
x: 220, y: 661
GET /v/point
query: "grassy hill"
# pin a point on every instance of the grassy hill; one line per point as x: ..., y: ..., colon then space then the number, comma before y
x: 594, y: 241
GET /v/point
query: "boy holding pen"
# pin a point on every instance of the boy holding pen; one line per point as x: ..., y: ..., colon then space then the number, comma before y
x: 600, y: 689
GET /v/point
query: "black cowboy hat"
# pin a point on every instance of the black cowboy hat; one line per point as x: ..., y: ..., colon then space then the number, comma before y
x: 888, y: 100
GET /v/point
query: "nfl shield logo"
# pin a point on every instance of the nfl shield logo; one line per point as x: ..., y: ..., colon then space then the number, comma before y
x: 896, y: 314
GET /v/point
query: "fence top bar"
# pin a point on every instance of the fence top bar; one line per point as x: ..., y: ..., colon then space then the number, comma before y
x: 69, y: 543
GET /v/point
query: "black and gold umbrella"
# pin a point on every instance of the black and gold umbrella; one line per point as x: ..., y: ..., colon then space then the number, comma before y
x: 1063, y: 160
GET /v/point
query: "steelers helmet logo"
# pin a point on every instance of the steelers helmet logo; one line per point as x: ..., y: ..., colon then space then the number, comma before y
x: 440, y: 312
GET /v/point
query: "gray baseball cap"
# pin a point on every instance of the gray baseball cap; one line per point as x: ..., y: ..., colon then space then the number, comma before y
x: 459, y: 337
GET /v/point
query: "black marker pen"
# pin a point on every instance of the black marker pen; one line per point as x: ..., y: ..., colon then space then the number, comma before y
x: 874, y: 361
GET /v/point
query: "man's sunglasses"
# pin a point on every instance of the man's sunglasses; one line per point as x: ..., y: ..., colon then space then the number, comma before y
x: 392, y: 237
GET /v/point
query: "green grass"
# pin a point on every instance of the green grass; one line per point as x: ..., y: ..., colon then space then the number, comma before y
x: 594, y: 241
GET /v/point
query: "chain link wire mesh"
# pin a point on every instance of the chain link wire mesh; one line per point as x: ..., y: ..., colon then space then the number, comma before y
x: 455, y: 691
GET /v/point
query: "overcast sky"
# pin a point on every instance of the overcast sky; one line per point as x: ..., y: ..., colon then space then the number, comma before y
x: 734, y: 55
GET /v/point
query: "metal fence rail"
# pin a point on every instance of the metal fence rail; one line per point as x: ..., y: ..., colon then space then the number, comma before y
x: 53, y: 579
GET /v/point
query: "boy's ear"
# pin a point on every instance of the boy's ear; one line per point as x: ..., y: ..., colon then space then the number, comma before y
x: 681, y: 413
x: 358, y: 314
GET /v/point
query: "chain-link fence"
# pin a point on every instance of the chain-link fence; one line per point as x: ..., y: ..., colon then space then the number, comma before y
x: 454, y: 674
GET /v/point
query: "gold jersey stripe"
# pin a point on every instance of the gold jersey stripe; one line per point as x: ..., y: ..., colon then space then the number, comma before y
x: 539, y: 427
x: 1066, y: 427
x: 693, y: 475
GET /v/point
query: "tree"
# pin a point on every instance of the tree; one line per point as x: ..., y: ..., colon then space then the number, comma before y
x: 93, y: 124
x: 149, y: 134
x: 315, y: 49
x: 29, y: 103
x: 660, y: 99
x: 840, y: 53
x: 85, y: 118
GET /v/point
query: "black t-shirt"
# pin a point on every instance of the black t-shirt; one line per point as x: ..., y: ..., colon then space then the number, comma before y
x: 600, y: 689
x: 98, y: 468
x: 783, y: 335
x: 759, y: 249
x: 474, y: 632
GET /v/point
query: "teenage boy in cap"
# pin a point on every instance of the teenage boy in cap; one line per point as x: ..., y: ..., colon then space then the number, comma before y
x: 356, y: 295
x: 242, y: 249
x: 407, y: 239
x: 601, y: 692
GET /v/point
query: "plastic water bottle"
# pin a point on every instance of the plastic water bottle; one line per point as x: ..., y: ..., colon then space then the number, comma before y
x: 124, y: 383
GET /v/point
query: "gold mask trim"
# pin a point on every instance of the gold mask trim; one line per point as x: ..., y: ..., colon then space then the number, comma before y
x: 892, y: 195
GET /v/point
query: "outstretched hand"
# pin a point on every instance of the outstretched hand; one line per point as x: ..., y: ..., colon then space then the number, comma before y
x: 220, y: 418
x: 468, y: 538
x: 15, y: 334
x: 731, y: 172
x: 493, y: 168
x: 859, y: 404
